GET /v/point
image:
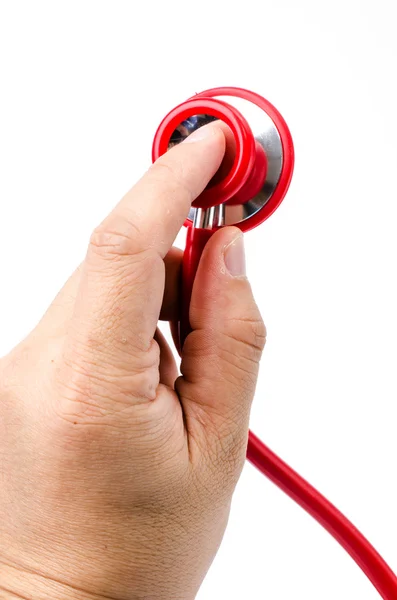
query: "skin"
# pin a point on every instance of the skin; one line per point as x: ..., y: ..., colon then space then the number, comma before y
x: 116, y: 475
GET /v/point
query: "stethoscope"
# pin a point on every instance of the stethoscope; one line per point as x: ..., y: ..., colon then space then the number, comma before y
x: 250, y: 191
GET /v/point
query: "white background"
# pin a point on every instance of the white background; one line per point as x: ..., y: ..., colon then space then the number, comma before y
x: 83, y: 86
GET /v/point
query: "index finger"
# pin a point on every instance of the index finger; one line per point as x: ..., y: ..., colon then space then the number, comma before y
x: 153, y: 211
x: 122, y: 283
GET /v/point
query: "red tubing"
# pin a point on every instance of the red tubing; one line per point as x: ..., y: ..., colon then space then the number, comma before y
x: 196, y: 240
x: 325, y: 513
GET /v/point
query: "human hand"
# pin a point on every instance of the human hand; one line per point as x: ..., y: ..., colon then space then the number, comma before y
x: 117, y: 476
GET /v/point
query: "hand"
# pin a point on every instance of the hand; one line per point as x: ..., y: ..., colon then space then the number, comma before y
x: 117, y: 476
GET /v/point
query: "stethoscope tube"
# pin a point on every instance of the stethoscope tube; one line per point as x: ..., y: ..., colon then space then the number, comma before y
x: 208, y: 218
x: 325, y: 513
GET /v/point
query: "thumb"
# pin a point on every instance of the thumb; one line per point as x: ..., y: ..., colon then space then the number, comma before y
x: 220, y: 358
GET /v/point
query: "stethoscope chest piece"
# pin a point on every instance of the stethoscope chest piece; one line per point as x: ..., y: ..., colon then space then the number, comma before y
x: 259, y: 177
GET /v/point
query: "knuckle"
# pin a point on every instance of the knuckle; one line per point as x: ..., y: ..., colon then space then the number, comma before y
x: 241, y: 358
x: 116, y: 238
x: 245, y: 338
x: 255, y: 332
x: 162, y: 168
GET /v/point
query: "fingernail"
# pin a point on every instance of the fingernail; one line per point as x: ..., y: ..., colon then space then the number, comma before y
x: 200, y: 134
x: 234, y: 256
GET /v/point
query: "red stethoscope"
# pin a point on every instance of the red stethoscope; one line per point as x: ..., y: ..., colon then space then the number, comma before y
x: 252, y: 189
